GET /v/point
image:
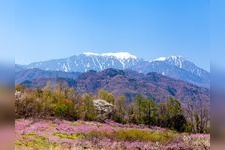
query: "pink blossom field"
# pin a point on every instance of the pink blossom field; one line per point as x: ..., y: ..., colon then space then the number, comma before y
x: 59, y: 134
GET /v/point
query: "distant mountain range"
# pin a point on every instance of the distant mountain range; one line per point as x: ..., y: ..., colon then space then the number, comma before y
x: 176, y: 67
x: 119, y: 82
x: 35, y: 73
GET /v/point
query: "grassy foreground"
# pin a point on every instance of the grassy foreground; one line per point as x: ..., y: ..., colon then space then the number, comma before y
x: 58, y: 134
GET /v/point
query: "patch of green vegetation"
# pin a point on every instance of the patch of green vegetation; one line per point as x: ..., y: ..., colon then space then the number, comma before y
x: 33, y: 140
x: 133, y: 135
x: 143, y: 135
x: 50, y: 147
x: 69, y: 136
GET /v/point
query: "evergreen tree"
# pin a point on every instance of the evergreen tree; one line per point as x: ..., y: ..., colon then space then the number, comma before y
x: 119, y: 114
x: 175, y: 118
x: 88, y: 111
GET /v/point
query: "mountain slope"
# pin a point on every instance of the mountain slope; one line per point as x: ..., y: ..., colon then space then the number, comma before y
x: 186, y: 65
x: 88, y: 61
x: 175, y: 66
x: 130, y: 83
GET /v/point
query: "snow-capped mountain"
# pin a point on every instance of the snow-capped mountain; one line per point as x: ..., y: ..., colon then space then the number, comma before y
x: 89, y: 61
x: 173, y: 66
x: 187, y: 68
x: 119, y: 55
x: 182, y: 63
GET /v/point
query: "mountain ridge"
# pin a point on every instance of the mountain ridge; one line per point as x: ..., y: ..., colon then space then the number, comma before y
x: 173, y: 66
x: 127, y: 82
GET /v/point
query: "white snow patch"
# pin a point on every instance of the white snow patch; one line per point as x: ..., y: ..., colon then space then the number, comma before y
x: 177, y: 60
x: 90, y: 54
x: 123, y: 64
x: 68, y: 64
x: 65, y: 68
x: 160, y: 59
x: 118, y: 55
x: 99, y: 63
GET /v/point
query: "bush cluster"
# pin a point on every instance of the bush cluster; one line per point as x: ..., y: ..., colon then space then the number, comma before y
x: 66, y: 103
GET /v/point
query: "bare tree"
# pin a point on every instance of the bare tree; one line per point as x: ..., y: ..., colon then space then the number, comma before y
x: 198, y: 115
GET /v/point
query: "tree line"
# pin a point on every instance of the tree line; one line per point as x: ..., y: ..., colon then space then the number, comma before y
x: 66, y: 103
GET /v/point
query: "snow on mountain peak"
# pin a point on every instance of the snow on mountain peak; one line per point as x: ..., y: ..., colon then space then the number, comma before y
x: 90, y: 54
x: 160, y: 59
x: 118, y: 55
x: 176, y: 60
x: 173, y: 58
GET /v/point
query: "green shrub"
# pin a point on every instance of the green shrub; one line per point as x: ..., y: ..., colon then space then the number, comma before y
x: 143, y: 135
x: 69, y: 136
x: 33, y: 140
x: 133, y: 135
x: 62, y: 109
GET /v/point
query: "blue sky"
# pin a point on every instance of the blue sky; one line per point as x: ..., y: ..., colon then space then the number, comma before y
x: 49, y: 29
x: 7, y: 28
x: 217, y: 35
